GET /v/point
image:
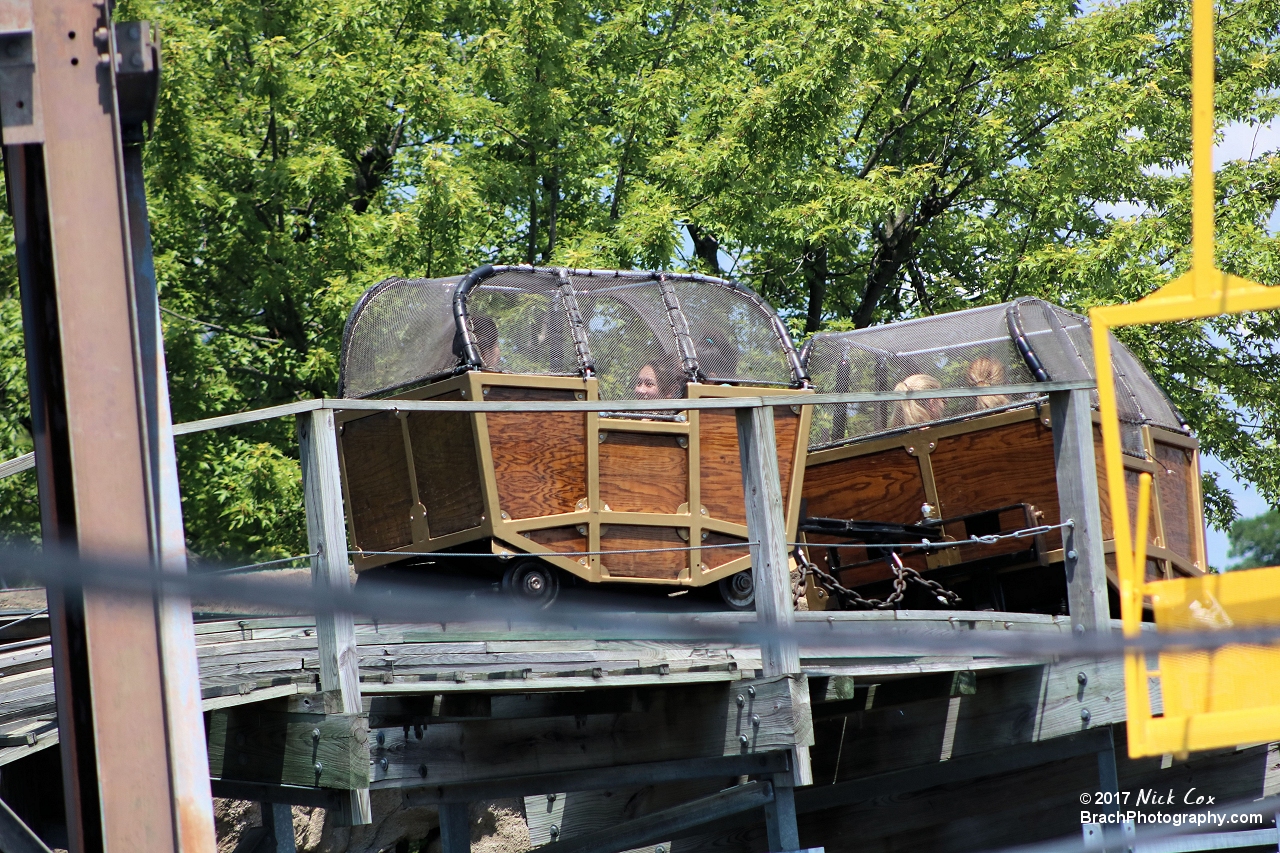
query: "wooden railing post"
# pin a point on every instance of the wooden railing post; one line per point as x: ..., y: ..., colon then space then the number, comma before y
x: 1077, y: 474
x: 327, y: 539
x: 767, y: 527
x: 775, y: 607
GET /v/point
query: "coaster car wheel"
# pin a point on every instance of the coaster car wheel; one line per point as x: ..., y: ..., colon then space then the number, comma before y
x: 531, y: 581
x: 739, y: 591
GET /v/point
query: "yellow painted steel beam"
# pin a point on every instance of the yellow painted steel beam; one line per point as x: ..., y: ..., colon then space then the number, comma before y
x: 1210, y: 699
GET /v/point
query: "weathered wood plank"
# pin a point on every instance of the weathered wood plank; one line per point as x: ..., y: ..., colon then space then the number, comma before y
x: 1077, y: 475
x: 656, y: 773
x: 678, y: 723
x: 261, y: 743
x: 326, y: 537
x: 662, y: 825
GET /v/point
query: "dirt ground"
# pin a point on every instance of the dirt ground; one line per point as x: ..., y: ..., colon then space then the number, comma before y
x: 496, y: 827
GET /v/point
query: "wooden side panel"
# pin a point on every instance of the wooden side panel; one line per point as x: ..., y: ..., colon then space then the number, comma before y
x: 720, y: 466
x: 539, y: 458
x: 641, y: 472
x: 884, y: 486
x: 786, y: 425
x: 378, y: 482
x: 717, y: 557
x: 559, y: 538
x: 1177, y: 500
x: 664, y: 565
x: 447, y: 469
x: 1131, y: 489
x: 998, y: 466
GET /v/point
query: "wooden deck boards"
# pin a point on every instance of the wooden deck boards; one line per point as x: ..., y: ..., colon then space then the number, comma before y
x: 250, y: 659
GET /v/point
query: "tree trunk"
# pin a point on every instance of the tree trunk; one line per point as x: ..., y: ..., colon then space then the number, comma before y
x: 551, y: 189
x: 814, y: 265
x: 706, y: 248
x: 530, y: 253
x: 894, y: 241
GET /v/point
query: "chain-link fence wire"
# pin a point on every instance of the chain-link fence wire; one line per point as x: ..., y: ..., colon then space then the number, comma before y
x: 1024, y: 341
x: 399, y: 333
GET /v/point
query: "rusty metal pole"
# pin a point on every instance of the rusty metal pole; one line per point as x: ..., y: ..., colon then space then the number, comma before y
x: 124, y: 667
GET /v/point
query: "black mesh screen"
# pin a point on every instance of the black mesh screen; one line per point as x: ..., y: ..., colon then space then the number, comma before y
x: 733, y: 338
x: 522, y: 320
x: 629, y: 328
x: 969, y: 349
x: 532, y: 327
x: 959, y: 350
x: 400, y: 332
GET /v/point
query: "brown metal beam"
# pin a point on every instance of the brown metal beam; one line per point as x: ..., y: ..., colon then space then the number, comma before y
x: 126, y: 756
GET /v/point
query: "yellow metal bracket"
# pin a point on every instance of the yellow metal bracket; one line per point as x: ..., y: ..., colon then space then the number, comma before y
x: 1229, y: 696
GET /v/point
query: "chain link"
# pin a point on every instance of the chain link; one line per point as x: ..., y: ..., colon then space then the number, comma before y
x: 849, y: 598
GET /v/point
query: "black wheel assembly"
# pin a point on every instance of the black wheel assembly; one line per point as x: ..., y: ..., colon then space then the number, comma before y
x: 739, y: 591
x: 531, y: 581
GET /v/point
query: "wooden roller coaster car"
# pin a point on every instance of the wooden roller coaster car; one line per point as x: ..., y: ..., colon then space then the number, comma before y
x: 980, y: 466
x: 595, y: 495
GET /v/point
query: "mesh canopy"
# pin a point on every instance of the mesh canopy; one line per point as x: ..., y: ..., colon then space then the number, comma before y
x: 733, y: 335
x: 965, y: 349
x: 628, y: 327
x: 564, y: 322
x: 400, y: 331
x: 533, y: 333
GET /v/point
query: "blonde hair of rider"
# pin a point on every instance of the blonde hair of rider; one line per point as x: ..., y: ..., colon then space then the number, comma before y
x: 911, y: 412
x: 984, y: 372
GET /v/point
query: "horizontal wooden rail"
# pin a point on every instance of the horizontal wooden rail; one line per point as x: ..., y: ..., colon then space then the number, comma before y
x: 28, y: 460
x: 674, y: 405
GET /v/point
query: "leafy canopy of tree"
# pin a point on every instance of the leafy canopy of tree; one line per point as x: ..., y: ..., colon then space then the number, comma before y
x: 857, y: 161
x: 1256, y: 540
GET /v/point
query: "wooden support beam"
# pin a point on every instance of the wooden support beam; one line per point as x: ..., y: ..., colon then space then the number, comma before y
x: 16, y: 836
x: 624, y: 776
x: 767, y: 527
x: 455, y: 828
x: 994, y: 763
x: 664, y: 824
x: 265, y: 743
x: 1077, y: 473
x: 327, y: 539
x: 277, y: 820
x: 1109, y: 783
x: 780, y: 819
x: 1024, y: 705
x: 680, y: 722
x: 289, y: 795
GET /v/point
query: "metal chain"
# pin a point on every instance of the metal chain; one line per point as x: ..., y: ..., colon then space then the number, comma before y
x: 901, y: 574
x: 940, y: 592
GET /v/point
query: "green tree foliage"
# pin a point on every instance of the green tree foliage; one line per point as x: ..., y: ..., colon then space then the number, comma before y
x: 855, y: 161
x: 1256, y: 540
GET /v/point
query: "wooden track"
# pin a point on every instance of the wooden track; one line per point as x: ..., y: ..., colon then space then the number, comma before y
x: 252, y: 659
